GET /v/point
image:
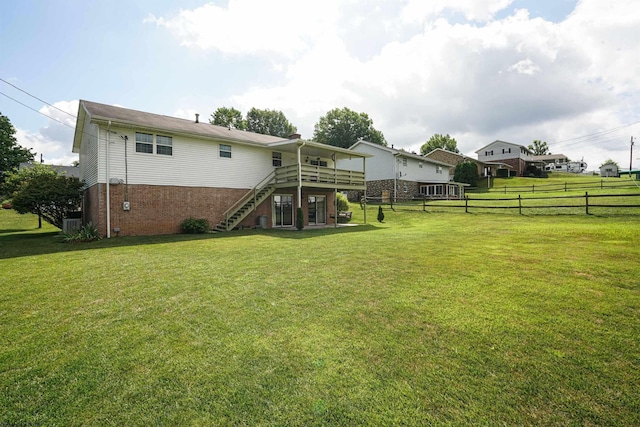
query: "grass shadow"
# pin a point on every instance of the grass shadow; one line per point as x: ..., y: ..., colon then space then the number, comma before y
x: 20, y: 244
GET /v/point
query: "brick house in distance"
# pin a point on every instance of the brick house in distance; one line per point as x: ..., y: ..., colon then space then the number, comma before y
x: 145, y: 173
x: 484, y: 168
x: 518, y: 157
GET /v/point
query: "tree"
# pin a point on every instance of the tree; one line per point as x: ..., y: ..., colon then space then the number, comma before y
x: 445, y: 142
x: 11, y: 154
x: 539, y: 148
x: 228, y: 117
x: 269, y: 122
x: 43, y: 191
x: 466, y: 172
x: 344, y: 127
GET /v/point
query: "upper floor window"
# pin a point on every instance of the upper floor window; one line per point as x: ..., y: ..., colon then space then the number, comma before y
x: 225, y: 151
x: 439, y: 169
x: 144, y: 143
x: 164, y: 145
x: 404, y: 161
x: 276, y: 159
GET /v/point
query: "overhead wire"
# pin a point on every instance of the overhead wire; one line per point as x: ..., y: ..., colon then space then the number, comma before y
x: 35, y: 97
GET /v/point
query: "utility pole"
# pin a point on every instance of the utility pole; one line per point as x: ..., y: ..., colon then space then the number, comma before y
x: 631, y: 157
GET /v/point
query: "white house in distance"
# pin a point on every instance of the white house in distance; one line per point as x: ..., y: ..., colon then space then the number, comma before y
x: 517, y: 156
x: 401, y: 175
x: 145, y: 173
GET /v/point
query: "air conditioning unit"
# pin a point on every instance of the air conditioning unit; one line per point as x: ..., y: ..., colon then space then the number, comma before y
x: 70, y: 225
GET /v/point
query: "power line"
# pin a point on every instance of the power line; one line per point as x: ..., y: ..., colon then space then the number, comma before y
x: 35, y: 97
x: 39, y: 112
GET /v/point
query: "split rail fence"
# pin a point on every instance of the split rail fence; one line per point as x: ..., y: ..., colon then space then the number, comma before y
x: 586, y: 203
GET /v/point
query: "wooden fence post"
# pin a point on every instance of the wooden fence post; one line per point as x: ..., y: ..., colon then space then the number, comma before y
x: 519, y: 205
x: 424, y: 204
x: 533, y: 188
x: 466, y: 204
x: 586, y: 201
x: 565, y: 186
x: 505, y: 189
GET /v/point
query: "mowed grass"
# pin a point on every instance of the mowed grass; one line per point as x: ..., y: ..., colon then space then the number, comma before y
x: 426, y: 318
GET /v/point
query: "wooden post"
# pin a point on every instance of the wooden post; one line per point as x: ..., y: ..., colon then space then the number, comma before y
x: 519, y: 205
x: 424, y: 203
x: 565, y: 186
x: 586, y: 201
x: 533, y: 188
x: 505, y: 189
x: 466, y: 204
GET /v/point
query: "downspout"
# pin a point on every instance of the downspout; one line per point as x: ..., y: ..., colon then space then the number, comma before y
x: 300, y: 145
x: 108, y: 189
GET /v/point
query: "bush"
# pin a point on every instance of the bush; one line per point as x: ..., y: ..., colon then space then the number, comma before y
x: 343, y: 203
x: 195, y: 226
x: 299, y: 218
x: 86, y: 233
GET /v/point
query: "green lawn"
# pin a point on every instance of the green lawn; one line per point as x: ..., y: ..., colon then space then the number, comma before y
x: 427, y: 318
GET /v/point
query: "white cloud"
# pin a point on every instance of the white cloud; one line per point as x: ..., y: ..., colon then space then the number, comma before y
x: 53, y: 141
x: 424, y: 72
x: 473, y: 10
x: 253, y: 27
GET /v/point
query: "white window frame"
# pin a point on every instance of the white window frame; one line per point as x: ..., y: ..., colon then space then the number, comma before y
x: 223, y: 150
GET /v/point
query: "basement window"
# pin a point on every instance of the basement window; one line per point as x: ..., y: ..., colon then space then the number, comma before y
x: 225, y: 151
x: 144, y: 143
x: 164, y: 145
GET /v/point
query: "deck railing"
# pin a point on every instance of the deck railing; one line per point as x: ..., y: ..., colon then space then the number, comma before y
x: 320, y: 175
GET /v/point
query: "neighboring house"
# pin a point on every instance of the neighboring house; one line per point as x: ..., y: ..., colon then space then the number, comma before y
x: 401, y: 175
x: 70, y: 171
x: 519, y: 157
x: 145, y: 173
x: 484, y: 168
x: 609, y: 170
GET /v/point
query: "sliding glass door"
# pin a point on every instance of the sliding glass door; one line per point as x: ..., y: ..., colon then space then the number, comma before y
x: 282, y: 210
x: 317, y: 209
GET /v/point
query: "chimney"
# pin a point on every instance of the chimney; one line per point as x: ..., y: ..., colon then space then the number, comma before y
x: 197, y: 118
x: 294, y: 136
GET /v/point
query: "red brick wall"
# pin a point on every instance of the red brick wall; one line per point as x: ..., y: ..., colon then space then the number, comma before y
x: 161, y: 209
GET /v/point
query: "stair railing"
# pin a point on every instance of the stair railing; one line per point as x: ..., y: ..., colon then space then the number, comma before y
x: 245, y: 198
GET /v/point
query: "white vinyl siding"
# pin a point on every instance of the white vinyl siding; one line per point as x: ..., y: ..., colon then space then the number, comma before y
x: 196, y: 164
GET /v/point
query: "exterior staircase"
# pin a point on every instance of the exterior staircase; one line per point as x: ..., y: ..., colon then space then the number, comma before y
x: 247, y: 204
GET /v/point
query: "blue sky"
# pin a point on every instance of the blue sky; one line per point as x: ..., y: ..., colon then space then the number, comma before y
x: 563, y: 71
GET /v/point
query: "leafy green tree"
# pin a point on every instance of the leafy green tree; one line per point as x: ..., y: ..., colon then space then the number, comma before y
x: 445, y: 142
x: 539, y: 148
x: 269, y: 122
x: 344, y: 127
x: 11, y: 154
x: 228, y: 117
x: 43, y: 191
x: 466, y: 172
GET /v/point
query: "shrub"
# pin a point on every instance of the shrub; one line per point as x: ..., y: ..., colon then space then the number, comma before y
x: 343, y: 203
x: 195, y: 226
x: 86, y: 233
x: 380, y: 214
x: 299, y: 219
x: 6, y: 206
